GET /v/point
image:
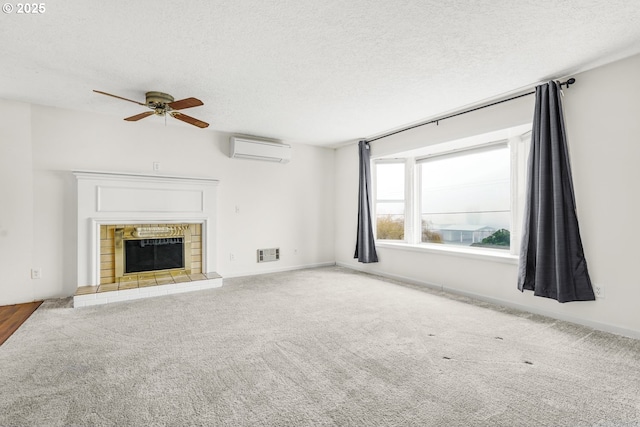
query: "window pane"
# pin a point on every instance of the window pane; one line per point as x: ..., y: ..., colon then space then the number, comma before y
x: 465, y: 199
x: 390, y: 181
x: 390, y: 227
x: 390, y: 205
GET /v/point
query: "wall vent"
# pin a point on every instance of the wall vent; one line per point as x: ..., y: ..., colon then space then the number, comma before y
x: 266, y: 255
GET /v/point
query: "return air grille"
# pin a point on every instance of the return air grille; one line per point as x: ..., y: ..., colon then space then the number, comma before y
x: 266, y: 255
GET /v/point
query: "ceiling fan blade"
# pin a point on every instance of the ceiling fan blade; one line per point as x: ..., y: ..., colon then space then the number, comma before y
x: 185, y: 103
x: 139, y: 116
x: 119, y: 97
x: 189, y: 119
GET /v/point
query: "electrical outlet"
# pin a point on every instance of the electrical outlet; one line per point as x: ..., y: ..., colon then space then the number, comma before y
x: 599, y: 291
x: 156, y: 166
x: 232, y: 257
x: 36, y: 273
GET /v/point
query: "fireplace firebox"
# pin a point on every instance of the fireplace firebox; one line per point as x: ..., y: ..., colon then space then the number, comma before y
x: 143, y: 249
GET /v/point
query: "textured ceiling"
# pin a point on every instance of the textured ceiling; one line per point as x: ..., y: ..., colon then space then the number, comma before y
x: 316, y: 72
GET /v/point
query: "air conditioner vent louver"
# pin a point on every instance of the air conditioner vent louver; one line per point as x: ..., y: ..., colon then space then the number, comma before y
x: 266, y: 255
x: 254, y: 149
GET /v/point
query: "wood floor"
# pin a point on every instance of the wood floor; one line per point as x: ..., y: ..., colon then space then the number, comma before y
x: 12, y: 316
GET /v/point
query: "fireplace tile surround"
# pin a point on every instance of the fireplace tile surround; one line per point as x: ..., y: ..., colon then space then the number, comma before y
x: 108, y: 249
x: 107, y: 200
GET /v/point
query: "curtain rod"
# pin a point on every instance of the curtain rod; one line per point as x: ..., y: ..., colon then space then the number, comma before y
x: 567, y: 83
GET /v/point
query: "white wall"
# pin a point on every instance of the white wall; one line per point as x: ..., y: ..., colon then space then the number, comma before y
x: 16, y: 203
x: 279, y: 205
x: 602, y: 112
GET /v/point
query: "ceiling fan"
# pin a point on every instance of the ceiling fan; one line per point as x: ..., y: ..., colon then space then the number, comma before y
x: 162, y: 104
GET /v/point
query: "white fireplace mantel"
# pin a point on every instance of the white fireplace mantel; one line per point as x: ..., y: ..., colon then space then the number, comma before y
x: 129, y: 198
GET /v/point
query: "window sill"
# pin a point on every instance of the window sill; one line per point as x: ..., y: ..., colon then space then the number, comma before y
x: 495, y: 255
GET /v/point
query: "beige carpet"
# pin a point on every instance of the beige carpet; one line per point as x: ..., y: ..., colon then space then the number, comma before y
x: 315, y: 347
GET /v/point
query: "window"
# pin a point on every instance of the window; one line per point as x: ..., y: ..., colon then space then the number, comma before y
x: 390, y: 200
x: 463, y: 193
x: 465, y: 197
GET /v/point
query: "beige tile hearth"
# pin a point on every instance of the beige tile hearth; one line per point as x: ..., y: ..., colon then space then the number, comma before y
x: 86, y: 290
x: 145, y: 285
x: 164, y: 279
x: 108, y: 287
x: 180, y: 276
x: 197, y: 276
x: 128, y: 285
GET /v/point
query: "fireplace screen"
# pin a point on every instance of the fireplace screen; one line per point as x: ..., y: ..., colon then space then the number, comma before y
x: 141, y: 249
x: 153, y: 254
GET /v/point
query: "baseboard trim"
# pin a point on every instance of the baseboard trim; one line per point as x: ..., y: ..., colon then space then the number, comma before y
x: 605, y: 327
x: 280, y: 270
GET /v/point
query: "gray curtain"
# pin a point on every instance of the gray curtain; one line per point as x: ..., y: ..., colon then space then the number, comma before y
x: 365, y: 244
x: 552, y: 262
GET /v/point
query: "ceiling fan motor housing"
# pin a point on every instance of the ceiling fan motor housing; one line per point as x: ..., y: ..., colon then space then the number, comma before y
x: 155, y: 99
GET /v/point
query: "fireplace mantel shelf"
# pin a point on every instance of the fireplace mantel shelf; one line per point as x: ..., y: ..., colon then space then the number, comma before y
x: 119, y: 176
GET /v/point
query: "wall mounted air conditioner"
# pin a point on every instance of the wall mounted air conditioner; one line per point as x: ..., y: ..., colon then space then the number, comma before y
x: 247, y: 148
